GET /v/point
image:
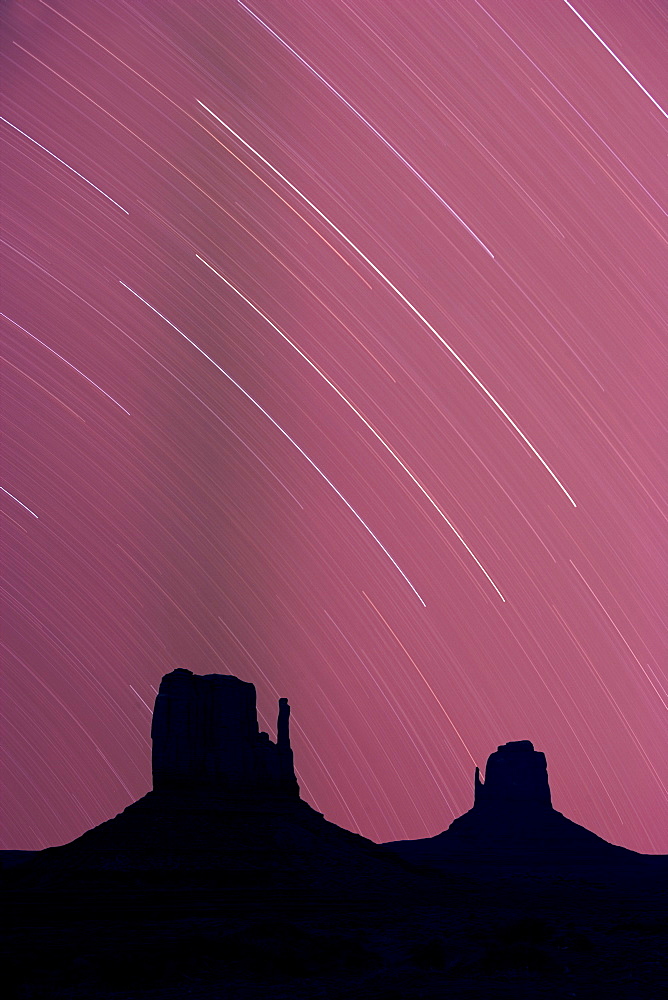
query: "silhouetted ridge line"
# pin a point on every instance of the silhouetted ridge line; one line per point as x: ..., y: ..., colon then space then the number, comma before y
x: 225, y: 813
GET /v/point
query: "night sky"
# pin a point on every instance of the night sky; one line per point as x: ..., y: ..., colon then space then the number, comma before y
x: 333, y: 347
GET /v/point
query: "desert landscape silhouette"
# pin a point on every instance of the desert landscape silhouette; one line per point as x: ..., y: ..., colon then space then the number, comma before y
x: 223, y: 882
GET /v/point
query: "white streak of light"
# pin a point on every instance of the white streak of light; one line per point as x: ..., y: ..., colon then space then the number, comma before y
x: 284, y: 433
x: 18, y: 501
x: 617, y: 59
x: 358, y: 414
x: 141, y: 699
x: 66, y: 362
x: 369, y: 126
x: 403, y: 298
x: 66, y: 165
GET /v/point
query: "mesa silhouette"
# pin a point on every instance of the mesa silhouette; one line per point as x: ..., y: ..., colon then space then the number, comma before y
x: 224, y: 880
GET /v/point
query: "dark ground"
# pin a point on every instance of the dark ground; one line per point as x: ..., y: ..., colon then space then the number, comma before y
x: 447, y: 936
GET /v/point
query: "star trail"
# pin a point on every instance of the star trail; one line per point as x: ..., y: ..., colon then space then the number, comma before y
x: 334, y: 358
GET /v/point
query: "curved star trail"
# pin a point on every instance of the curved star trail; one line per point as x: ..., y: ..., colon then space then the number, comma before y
x: 332, y: 347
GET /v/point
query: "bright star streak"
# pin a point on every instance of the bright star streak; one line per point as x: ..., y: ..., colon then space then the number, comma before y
x: 403, y: 298
x: 19, y: 502
x: 616, y: 58
x: 73, y: 367
x: 370, y: 126
x: 65, y: 165
x: 285, y: 434
x: 358, y: 414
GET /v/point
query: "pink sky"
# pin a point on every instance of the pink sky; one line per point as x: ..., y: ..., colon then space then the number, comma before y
x: 349, y: 385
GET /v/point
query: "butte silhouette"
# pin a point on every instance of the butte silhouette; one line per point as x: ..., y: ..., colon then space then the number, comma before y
x: 223, y: 882
x: 513, y: 826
